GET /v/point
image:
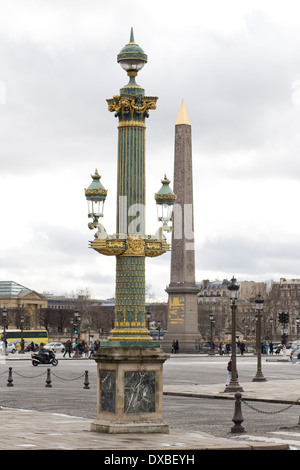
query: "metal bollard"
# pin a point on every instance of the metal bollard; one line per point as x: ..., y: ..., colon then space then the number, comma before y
x: 86, y: 380
x: 48, y: 379
x: 238, y: 417
x: 10, y: 379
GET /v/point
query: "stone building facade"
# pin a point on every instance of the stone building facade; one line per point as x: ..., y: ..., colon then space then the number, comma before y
x: 19, y: 300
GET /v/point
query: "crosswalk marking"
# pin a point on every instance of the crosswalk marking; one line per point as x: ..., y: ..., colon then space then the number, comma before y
x: 285, y: 433
x: 275, y: 440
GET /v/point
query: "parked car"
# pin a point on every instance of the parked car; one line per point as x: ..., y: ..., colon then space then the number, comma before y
x: 10, y: 348
x: 56, y: 347
x: 295, y: 354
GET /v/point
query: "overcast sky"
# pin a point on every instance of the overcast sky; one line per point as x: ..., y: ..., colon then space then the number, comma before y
x: 236, y: 64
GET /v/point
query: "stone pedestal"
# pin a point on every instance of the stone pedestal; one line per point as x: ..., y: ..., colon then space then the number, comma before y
x: 130, y: 390
x: 182, y: 318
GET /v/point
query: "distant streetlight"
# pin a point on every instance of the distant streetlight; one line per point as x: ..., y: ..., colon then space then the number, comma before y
x: 234, y: 385
x: 298, y: 325
x: 148, y: 316
x: 77, y: 331
x: 271, y: 327
x: 259, y: 377
x: 4, y: 324
x: 22, y: 319
x: 212, y: 324
x: 159, y: 328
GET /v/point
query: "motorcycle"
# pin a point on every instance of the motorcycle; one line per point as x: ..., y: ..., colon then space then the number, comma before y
x: 29, y: 348
x: 47, y: 357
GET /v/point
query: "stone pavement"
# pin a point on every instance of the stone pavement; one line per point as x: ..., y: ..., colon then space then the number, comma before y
x: 34, y: 430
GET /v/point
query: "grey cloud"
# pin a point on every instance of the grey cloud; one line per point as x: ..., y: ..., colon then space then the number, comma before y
x: 245, y: 256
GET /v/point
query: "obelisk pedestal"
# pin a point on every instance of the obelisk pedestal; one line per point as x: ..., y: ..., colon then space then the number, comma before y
x: 182, y: 290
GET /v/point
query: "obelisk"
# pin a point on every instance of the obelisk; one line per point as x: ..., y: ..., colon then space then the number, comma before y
x: 182, y: 303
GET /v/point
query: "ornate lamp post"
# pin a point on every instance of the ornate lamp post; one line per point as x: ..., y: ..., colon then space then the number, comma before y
x: 234, y: 385
x: 159, y: 328
x: 212, y: 324
x: 4, y: 324
x: 259, y: 377
x: 271, y: 327
x: 148, y: 316
x: 72, y: 328
x: 22, y: 319
x: 297, y: 325
x: 129, y: 341
x: 76, y: 330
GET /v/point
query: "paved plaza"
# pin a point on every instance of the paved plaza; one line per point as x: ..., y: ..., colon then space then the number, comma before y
x: 37, y: 430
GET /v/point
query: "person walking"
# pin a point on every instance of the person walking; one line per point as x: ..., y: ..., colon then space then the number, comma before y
x: 68, y: 348
x: 229, y: 366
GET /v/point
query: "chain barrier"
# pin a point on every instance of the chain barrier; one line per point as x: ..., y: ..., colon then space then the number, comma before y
x: 238, y: 416
x: 67, y: 380
x: 270, y: 412
x: 31, y: 376
x: 48, y: 379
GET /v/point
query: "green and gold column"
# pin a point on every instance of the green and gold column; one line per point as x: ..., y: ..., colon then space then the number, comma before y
x: 130, y: 244
x: 129, y: 363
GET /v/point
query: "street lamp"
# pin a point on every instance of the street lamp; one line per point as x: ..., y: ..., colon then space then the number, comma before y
x: 148, y: 316
x: 271, y: 328
x: 165, y: 199
x: 259, y: 377
x: 234, y: 385
x: 129, y: 340
x: 72, y: 327
x: 246, y: 330
x: 4, y: 324
x: 158, y: 327
x: 298, y: 325
x: 77, y: 331
x: 212, y: 323
x: 95, y: 195
x: 22, y: 319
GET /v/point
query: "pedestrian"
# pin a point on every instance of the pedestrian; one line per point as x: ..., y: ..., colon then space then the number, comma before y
x: 271, y: 348
x: 229, y: 366
x: 242, y: 346
x: 173, y: 346
x: 176, y: 347
x: 227, y: 348
x: 92, y: 349
x: 86, y: 350
x: 68, y: 348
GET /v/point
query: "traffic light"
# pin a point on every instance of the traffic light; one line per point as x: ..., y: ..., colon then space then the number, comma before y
x: 283, y: 317
x: 75, y: 330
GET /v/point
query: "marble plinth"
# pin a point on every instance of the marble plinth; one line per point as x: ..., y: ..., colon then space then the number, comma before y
x: 130, y: 390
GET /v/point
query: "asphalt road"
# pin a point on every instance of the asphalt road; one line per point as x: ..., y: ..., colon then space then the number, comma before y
x: 213, y: 416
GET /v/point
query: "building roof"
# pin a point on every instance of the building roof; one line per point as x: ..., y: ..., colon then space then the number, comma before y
x: 11, y: 289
